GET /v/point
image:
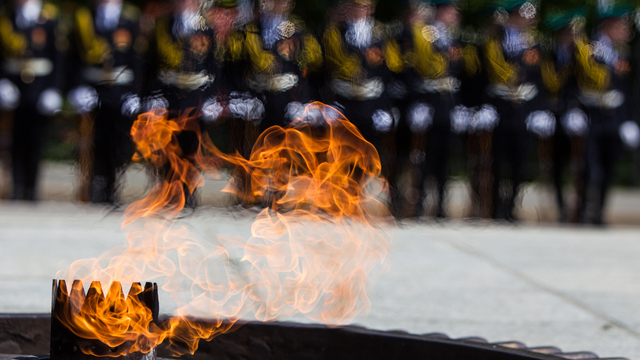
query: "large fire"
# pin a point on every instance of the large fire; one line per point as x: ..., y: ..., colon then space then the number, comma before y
x: 310, y: 252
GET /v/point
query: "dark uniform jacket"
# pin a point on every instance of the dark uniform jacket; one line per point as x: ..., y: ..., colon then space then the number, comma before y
x: 279, y: 65
x: 514, y: 75
x: 435, y: 68
x: 358, y: 76
x: 182, y: 61
x: 31, y: 57
x: 604, y: 84
x: 107, y: 59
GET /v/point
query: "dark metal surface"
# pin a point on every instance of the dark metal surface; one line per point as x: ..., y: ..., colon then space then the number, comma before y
x: 285, y: 341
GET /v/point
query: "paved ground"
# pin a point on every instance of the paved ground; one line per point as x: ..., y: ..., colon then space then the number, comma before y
x: 58, y: 183
x: 578, y: 289
x: 575, y: 288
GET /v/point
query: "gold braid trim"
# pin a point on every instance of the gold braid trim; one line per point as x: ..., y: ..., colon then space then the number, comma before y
x: 310, y: 58
x: 472, y: 64
x: 344, y: 65
x: 232, y: 49
x: 263, y: 61
x: 427, y: 62
x: 49, y: 11
x: 13, y: 44
x: 234, y: 46
x: 170, y: 52
x: 499, y: 70
x: 393, y: 56
x: 589, y: 73
x: 93, y: 49
x: 552, y: 80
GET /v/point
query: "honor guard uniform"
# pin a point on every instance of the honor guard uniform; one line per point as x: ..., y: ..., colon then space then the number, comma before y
x: 31, y: 46
x: 281, y: 55
x: 435, y: 60
x: 512, y: 59
x: 229, y: 106
x: 361, y: 60
x: 181, y: 59
x: 184, y: 72
x: 603, y: 76
x: 558, y: 69
x: 478, y: 24
x: 105, y: 73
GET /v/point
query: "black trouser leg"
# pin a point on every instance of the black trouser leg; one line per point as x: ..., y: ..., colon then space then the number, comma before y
x: 609, y: 152
x: 29, y: 131
x: 517, y: 160
x: 112, y: 150
x: 441, y: 139
x: 560, y: 160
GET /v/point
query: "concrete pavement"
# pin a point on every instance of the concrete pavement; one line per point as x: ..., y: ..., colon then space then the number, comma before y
x: 574, y: 288
x: 58, y: 182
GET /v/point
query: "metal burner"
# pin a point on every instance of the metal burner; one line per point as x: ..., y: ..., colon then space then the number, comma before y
x: 65, y: 344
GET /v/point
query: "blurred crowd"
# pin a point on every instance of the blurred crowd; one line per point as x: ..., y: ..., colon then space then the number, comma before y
x: 512, y: 87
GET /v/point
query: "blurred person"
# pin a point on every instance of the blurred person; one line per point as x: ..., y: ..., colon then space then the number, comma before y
x: 478, y: 25
x: 360, y: 60
x: 512, y: 58
x: 434, y: 69
x: 604, y: 83
x: 282, y: 54
x: 223, y: 111
x: 106, y: 74
x: 184, y: 61
x: 30, y: 82
x: 564, y: 147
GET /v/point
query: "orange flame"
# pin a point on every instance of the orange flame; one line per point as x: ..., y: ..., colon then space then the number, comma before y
x: 310, y: 253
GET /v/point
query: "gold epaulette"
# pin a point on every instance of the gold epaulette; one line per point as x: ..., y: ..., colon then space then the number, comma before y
x: 425, y: 60
x: 262, y: 61
x: 393, y: 56
x: 552, y: 80
x: 130, y: 12
x: 93, y: 49
x: 472, y: 64
x: 49, y: 11
x: 499, y: 70
x: 310, y: 58
x: 343, y: 64
x: 13, y: 43
x: 234, y: 46
x: 589, y: 73
x: 169, y: 52
x: 232, y: 49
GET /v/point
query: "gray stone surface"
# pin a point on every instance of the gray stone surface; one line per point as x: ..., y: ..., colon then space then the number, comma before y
x: 58, y: 182
x: 577, y: 289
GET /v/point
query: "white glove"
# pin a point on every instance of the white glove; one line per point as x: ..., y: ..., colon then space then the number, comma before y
x: 630, y: 134
x: 420, y: 117
x: 575, y: 122
x: 294, y: 111
x: 246, y: 108
x: 541, y: 123
x: 486, y: 118
x: 9, y: 95
x: 131, y: 105
x: 211, y: 109
x: 83, y: 98
x: 460, y: 119
x: 49, y: 102
x: 382, y: 120
x: 255, y: 109
x: 156, y: 101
